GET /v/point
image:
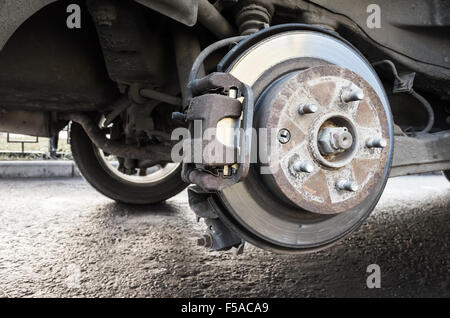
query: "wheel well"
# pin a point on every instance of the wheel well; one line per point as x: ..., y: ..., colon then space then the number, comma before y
x: 46, y: 65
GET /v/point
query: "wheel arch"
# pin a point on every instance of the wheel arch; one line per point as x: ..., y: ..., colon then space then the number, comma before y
x: 13, y: 13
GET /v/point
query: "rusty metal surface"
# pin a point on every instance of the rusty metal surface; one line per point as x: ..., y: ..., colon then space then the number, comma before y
x: 252, y: 17
x: 155, y: 153
x: 214, y: 21
x: 249, y: 204
x: 226, y: 113
x: 187, y: 48
x: 215, y: 81
x: 317, y: 191
x: 159, y: 96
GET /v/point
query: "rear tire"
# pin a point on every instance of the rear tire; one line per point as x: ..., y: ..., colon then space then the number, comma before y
x: 94, y: 172
x: 446, y: 174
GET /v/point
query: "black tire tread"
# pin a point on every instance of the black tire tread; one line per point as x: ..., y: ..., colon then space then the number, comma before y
x: 93, y: 172
x: 446, y: 174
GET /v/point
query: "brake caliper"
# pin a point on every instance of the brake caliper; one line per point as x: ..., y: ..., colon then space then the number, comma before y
x: 220, y: 117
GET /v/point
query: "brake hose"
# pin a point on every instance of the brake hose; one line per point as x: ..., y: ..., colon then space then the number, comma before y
x: 205, y: 53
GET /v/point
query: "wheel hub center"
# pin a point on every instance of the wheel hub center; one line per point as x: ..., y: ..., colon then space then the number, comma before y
x: 336, y: 136
x: 334, y: 140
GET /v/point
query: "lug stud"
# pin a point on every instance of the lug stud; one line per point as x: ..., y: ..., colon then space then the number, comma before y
x: 352, y: 95
x: 347, y: 185
x: 307, y: 109
x: 376, y: 143
x: 301, y: 166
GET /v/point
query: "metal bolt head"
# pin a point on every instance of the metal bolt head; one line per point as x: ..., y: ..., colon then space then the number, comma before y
x: 343, y: 140
x: 353, y: 95
x: 284, y: 136
x: 335, y: 139
x: 205, y: 241
x: 376, y: 143
x: 307, y: 109
x: 301, y: 166
x: 347, y: 185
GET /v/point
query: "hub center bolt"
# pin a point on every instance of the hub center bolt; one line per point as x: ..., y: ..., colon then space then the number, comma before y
x: 335, y: 139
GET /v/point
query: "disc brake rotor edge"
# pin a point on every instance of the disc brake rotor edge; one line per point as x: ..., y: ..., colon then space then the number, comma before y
x: 248, y: 207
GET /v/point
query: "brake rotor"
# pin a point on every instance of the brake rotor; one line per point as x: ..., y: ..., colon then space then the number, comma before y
x: 296, y: 207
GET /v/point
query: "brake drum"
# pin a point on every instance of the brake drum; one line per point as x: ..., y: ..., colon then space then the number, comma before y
x: 329, y: 140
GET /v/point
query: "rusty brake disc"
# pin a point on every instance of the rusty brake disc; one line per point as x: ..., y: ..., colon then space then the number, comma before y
x: 329, y: 174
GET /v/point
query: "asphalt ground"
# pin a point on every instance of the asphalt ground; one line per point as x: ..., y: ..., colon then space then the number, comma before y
x: 60, y: 238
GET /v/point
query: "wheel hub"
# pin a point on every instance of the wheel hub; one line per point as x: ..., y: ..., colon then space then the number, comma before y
x: 336, y: 137
x: 334, y: 140
x: 324, y: 167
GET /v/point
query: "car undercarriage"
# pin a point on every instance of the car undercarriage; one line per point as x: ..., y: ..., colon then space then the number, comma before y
x: 284, y: 117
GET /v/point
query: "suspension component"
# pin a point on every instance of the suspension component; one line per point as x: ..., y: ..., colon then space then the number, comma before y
x: 218, y: 237
x: 253, y: 17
